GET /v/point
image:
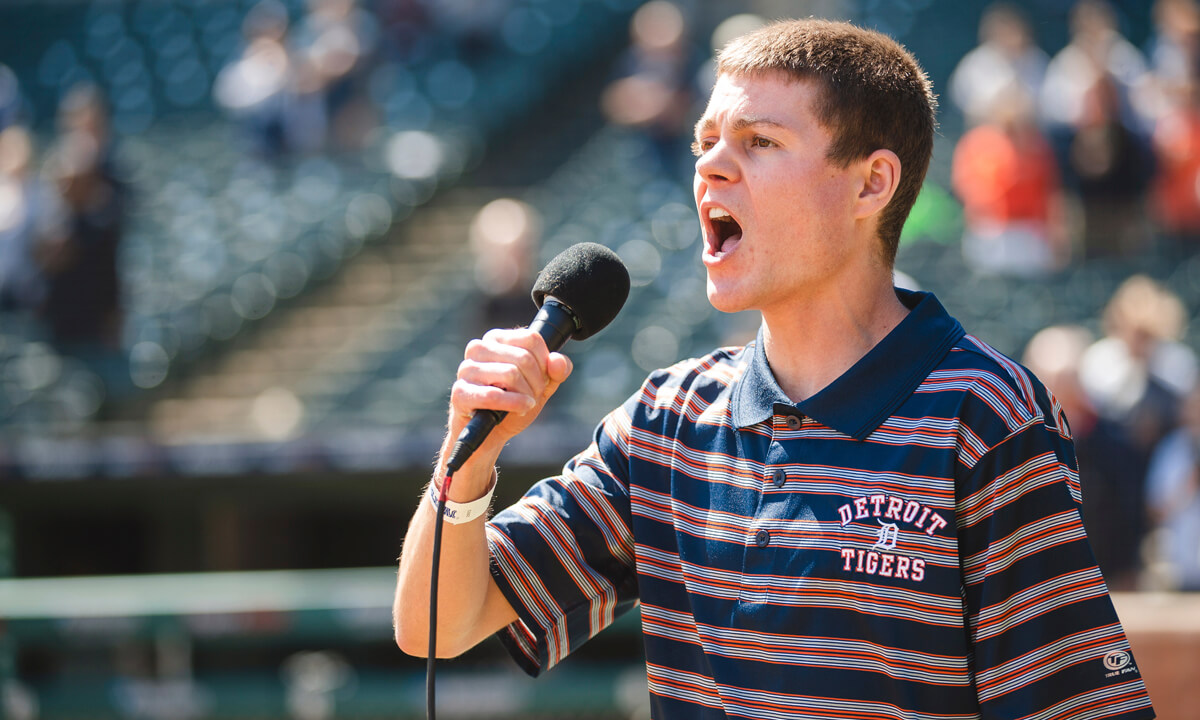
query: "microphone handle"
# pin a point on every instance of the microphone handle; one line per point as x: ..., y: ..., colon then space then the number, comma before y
x: 556, y: 323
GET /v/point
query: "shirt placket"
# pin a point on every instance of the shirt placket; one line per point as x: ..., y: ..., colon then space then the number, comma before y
x: 761, y: 545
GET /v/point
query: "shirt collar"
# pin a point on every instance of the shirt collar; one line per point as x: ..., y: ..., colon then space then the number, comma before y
x: 872, y: 389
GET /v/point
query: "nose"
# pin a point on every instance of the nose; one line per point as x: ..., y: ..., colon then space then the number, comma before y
x: 717, y: 165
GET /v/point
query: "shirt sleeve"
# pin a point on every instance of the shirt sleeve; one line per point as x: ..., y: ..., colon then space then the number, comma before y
x: 1046, y: 640
x: 563, y: 555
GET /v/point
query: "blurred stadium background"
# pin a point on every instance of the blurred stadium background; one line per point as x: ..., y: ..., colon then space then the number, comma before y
x: 206, y: 465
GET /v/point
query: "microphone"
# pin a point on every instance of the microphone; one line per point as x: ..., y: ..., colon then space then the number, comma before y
x: 578, y: 294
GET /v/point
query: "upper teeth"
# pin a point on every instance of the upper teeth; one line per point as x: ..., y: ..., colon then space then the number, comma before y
x: 715, y: 213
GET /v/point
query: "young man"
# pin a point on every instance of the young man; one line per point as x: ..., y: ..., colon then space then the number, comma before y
x: 865, y: 513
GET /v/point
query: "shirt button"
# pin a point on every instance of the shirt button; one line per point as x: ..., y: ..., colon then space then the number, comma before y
x: 793, y: 422
x: 778, y: 478
x: 762, y: 538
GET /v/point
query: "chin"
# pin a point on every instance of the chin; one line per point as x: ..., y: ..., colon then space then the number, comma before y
x: 725, y: 302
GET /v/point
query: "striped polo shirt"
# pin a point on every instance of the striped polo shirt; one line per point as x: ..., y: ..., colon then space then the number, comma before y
x: 906, y: 543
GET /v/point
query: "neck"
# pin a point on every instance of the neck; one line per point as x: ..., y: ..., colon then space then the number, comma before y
x: 811, y: 344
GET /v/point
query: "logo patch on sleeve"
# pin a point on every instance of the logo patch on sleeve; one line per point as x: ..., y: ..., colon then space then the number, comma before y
x: 1119, y: 662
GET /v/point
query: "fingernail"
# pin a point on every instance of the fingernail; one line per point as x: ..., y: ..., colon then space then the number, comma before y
x: 529, y: 403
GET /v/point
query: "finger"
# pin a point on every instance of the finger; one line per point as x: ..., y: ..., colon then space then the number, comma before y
x: 521, y: 359
x: 522, y: 348
x: 503, y: 374
x: 518, y: 337
x: 467, y: 397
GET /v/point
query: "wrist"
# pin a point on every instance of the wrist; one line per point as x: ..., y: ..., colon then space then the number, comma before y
x: 471, y: 481
x: 465, y: 486
x: 458, y: 512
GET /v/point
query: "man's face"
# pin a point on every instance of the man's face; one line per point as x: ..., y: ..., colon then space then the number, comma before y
x: 777, y: 218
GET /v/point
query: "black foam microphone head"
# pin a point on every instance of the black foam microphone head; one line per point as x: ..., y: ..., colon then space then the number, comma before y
x: 588, y: 278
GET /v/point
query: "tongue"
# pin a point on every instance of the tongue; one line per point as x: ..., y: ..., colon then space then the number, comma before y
x: 728, y: 243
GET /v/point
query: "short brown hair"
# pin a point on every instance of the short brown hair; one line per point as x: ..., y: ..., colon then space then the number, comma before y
x: 873, y: 95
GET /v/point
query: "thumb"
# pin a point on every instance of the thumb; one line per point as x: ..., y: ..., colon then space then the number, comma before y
x: 558, y: 367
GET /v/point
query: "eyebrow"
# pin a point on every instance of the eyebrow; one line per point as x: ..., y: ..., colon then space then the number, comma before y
x: 742, y: 122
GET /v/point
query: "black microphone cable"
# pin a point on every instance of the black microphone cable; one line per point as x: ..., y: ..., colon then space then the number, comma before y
x: 431, y: 658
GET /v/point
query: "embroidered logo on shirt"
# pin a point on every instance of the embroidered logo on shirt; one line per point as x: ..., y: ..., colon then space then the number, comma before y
x: 895, y: 508
x: 880, y: 559
x: 889, y: 533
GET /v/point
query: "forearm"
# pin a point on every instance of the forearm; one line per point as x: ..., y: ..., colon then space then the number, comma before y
x: 466, y: 589
x: 513, y: 372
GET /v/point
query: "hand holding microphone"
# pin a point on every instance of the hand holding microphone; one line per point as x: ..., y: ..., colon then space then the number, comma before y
x: 578, y: 293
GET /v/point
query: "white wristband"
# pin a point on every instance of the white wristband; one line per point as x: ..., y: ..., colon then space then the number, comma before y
x: 457, y: 513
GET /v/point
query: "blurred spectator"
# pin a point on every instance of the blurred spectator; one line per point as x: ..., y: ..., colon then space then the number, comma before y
x: 1174, y: 48
x: 1005, y: 173
x: 256, y: 88
x: 653, y: 90
x: 27, y: 210
x: 1006, y: 56
x: 84, y: 111
x: 504, y: 238
x: 1112, y: 168
x: 1173, y: 497
x: 1094, y: 103
x: 82, y: 306
x: 333, y: 44
x: 1096, y: 50
x: 1136, y: 374
x: 1175, y: 59
x: 294, y: 89
x: 1111, y: 470
x: 1177, y: 181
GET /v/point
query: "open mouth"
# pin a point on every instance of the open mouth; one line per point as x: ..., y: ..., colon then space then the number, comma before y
x: 725, y: 230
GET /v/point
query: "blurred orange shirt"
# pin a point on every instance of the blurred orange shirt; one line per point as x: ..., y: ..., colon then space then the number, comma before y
x: 1001, y: 180
x: 1177, y: 186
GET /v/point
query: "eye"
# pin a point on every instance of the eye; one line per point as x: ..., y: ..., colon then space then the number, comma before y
x: 761, y: 142
x: 699, y: 147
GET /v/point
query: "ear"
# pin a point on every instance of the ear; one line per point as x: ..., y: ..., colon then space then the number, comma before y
x: 880, y: 178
